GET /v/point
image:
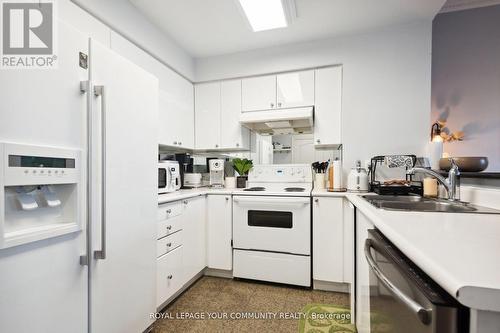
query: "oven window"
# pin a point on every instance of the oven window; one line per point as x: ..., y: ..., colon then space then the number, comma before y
x: 162, y: 177
x: 270, y: 219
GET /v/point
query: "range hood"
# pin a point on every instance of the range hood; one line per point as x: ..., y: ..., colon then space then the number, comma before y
x: 279, y: 121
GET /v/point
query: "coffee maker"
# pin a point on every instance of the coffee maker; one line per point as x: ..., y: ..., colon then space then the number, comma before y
x: 186, y: 165
x: 216, y: 169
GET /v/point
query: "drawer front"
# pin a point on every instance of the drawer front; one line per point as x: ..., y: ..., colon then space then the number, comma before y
x: 168, y: 243
x: 272, y: 267
x: 169, y: 226
x: 169, y: 275
x: 170, y: 210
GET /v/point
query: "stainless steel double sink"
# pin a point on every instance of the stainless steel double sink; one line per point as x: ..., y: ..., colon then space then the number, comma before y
x: 415, y: 203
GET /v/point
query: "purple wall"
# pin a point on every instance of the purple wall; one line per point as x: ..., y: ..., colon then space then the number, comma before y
x: 466, y: 80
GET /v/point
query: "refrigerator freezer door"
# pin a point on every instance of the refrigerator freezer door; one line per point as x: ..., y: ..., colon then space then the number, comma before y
x: 43, y: 287
x: 123, y: 270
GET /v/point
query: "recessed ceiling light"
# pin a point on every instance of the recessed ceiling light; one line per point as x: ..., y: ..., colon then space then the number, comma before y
x: 266, y: 14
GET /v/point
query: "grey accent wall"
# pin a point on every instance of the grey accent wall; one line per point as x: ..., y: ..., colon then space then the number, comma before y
x: 466, y: 80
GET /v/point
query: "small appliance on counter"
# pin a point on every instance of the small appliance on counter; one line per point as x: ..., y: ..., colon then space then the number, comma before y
x: 394, y: 186
x: 192, y: 180
x: 169, y: 179
x: 357, y: 181
x: 216, y: 169
x: 186, y: 166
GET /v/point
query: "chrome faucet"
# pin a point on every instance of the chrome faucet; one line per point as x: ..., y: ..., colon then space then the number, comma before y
x: 451, y: 184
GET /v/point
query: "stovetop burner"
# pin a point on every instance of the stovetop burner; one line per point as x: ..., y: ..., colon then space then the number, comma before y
x: 255, y: 189
x: 295, y: 189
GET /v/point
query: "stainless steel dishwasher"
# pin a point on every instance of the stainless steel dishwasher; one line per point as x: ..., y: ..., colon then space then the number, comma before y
x: 403, y: 298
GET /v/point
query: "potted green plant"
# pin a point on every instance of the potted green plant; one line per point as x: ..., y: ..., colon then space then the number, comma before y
x: 242, y: 167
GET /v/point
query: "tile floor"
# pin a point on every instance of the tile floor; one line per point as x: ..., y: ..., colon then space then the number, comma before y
x: 219, y: 296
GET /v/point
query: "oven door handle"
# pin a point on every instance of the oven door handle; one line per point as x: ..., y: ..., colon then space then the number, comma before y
x: 268, y: 200
x: 423, y: 314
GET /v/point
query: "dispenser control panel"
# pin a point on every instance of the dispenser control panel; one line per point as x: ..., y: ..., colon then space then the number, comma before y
x: 32, y: 165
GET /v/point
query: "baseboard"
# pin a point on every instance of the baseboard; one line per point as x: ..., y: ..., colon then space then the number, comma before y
x: 338, y: 287
x: 222, y: 273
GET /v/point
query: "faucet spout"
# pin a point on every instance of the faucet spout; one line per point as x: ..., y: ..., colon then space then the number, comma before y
x: 451, y: 184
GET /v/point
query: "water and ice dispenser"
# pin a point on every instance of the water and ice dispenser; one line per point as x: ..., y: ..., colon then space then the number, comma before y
x: 41, y: 192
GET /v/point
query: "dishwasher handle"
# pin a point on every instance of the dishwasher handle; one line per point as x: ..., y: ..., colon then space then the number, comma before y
x: 422, y: 313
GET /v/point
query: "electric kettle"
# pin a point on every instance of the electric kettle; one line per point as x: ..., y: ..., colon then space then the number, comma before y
x: 357, y: 181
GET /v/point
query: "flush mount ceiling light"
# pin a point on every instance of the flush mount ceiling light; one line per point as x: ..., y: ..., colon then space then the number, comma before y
x: 268, y: 14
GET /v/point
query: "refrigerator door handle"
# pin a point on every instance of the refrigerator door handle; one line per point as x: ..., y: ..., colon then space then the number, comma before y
x: 99, y: 91
x: 84, y: 89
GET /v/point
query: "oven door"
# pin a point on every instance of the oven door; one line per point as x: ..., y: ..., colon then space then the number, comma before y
x: 279, y: 224
x: 162, y: 180
x: 402, y: 297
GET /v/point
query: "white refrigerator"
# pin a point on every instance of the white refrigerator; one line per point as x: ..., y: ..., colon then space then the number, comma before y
x: 102, y: 278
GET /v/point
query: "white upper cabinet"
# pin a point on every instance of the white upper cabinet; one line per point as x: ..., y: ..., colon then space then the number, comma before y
x: 295, y: 89
x: 233, y: 135
x: 176, y: 96
x: 328, y: 107
x: 208, y: 115
x: 258, y: 93
x: 217, y: 117
x: 176, y: 114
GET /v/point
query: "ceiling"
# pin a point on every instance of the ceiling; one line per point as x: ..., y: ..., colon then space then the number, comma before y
x: 214, y: 27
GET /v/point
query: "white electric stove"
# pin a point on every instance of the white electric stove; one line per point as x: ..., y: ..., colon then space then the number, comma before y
x: 272, y: 225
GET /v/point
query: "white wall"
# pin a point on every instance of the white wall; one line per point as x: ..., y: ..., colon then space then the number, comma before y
x: 125, y: 19
x: 466, y: 80
x: 386, y: 84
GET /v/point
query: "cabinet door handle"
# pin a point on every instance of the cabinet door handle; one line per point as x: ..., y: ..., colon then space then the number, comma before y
x: 180, y: 143
x: 272, y: 105
x: 185, y: 202
x: 227, y: 199
x: 318, y: 141
x: 169, y: 211
x: 237, y: 144
x: 169, y: 244
x: 170, y: 277
x: 279, y: 104
x: 169, y: 227
x: 316, y: 200
x: 175, y: 142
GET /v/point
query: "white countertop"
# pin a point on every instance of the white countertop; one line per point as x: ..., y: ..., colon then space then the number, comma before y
x: 324, y: 193
x: 189, y: 193
x: 459, y: 251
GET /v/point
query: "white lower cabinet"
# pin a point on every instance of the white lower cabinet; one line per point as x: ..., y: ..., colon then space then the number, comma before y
x: 181, y: 246
x: 194, y: 238
x: 328, y: 239
x: 363, y: 224
x: 169, y: 277
x: 219, y: 232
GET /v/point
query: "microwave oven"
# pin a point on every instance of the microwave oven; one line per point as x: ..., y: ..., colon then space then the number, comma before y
x: 169, y: 179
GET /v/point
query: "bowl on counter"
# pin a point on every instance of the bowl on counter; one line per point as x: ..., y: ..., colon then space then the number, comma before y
x: 465, y: 164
